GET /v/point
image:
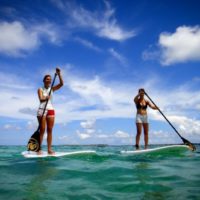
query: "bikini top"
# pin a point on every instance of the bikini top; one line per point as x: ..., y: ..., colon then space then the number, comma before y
x: 143, y: 107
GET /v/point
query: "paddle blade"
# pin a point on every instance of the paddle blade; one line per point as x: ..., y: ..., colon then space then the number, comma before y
x: 188, y: 143
x: 34, y: 142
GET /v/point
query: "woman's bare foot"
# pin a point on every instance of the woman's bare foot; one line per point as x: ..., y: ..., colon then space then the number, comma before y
x: 51, y: 152
x: 137, y: 147
x: 39, y: 152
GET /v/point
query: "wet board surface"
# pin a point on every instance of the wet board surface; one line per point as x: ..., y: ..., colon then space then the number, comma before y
x: 171, y: 148
x: 31, y: 154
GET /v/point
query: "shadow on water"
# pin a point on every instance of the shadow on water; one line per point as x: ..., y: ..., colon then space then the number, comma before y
x: 37, y: 187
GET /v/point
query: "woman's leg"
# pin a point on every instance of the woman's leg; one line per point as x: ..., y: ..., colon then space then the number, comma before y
x: 50, y: 124
x: 42, y: 128
x: 139, y: 131
x: 146, y: 135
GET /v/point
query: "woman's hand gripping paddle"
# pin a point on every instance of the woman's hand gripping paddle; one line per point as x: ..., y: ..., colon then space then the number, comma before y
x: 34, y: 141
x: 186, y: 142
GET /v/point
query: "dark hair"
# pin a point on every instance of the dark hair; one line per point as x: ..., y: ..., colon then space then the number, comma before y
x: 46, y: 77
x: 141, y: 90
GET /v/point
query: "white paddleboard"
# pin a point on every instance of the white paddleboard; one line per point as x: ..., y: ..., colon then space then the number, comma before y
x: 32, y: 154
x: 157, y: 149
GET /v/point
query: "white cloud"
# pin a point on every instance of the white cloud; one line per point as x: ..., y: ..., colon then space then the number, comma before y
x: 63, y: 137
x: 88, y: 127
x: 18, y: 97
x: 102, y: 136
x: 118, y: 56
x: 119, y: 137
x: 162, y: 137
x: 186, y: 126
x: 116, y: 99
x: 7, y: 126
x: 181, y: 46
x: 121, y: 134
x: 112, y: 31
x: 11, y: 127
x: 102, y: 23
x: 151, y: 54
x: 48, y: 31
x: 89, y: 124
x: 110, y: 99
x: 91, y: 88
x: 83, y: 136
x: 32, y: 125
x: 12, y: 81
x: 88, y: 44
x: 16, y: 39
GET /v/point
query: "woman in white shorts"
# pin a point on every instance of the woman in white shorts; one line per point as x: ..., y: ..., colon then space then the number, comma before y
x: 141, y: 117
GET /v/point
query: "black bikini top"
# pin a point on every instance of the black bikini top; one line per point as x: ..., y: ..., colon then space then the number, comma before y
x: 143, y: 107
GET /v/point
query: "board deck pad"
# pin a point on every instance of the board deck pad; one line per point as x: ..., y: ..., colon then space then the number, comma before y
x: 32, y: 154
x: 158, y: 149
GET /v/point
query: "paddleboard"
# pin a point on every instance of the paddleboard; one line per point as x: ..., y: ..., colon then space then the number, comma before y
x: 32, y: 154
x: 171, y: 148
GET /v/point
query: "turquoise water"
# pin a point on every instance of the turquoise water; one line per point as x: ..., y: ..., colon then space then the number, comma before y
x: 105, y: 175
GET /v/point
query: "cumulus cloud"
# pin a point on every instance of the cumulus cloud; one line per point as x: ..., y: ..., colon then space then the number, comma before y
x: 89, y: 132
x: 91, y: 88
x: 181, y: 46
x: 89, y: 124
x: 88, y: 127
x: 186, y: 125
x: 102, y: 23
x: 121, y: 134
x: 16, y: 39
x: 83, y: 135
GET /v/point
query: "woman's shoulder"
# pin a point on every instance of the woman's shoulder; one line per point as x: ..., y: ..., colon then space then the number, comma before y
x: 147, y: 101
x: 40, y: 89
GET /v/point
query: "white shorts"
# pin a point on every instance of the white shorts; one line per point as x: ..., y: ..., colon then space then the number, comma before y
x: 47, y: 113
x: 141, y: 118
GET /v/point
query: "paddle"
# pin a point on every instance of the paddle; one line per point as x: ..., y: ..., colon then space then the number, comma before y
x: 34, y: 141
x: 186, y: 142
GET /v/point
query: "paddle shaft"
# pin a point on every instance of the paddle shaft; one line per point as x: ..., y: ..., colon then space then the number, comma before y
x: 186, y: 142
x: 165, y: 117
x: 47, y: 100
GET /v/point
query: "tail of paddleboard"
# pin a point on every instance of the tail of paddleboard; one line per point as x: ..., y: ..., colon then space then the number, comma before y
x: 171, y: 148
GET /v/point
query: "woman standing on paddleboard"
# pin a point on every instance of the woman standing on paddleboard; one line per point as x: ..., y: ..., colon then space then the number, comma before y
x: 49, y: 114
x: 141, y: 117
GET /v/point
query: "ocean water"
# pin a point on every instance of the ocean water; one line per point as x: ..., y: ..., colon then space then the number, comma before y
x: 104, y: 175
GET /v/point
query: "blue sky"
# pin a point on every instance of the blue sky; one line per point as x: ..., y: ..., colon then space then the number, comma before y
x: 106, y: 51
